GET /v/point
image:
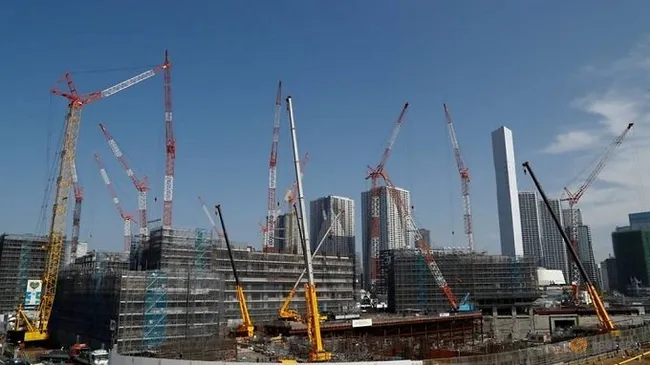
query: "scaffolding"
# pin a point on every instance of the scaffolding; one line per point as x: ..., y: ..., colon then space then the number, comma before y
x: 164, y: 313
x: 201, y: 260
x: 178, y: 248
x: 22, y: 258
x: 492, y: 281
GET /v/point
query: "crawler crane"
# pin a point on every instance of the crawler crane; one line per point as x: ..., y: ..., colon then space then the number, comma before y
x: 285, y: 312
x: 606, y: 323
x: 36, y: 328
x: 246, y: 329
x: 317, y: 352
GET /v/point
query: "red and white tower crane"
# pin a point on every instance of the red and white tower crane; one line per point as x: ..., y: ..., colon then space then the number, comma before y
x: 170, y: 147
x: 140, y: 185
x: 464, y: 180
x: 271, y: 210
x: 127, y: 218
x: 574, y: 197
x: 76, y: 214
x: 375, y: 174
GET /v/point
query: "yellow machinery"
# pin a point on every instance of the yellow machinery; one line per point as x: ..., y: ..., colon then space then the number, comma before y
x: 285, y: 312
x: 36, y: 329
x: 317, y: 351
x: 246, y: 329
x: 606, y: 323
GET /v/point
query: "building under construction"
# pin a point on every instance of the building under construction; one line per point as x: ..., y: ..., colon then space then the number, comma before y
x: 22, y: 258
x: 494, y: 283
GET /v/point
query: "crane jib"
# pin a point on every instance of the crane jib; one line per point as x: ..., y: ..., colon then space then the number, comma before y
x: 127, y: 83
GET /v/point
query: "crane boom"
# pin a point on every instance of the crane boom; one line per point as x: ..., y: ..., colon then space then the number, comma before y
x: 271, y: 212
x: 574, y: 197
x: 607, y: 325
x: 140, y: 185
x: 127, y: 218
x: 36, y: 329
x: 317, y: 352
x: 207, y: 214
x: 247, y: 327
x: 170, y: 146
x: 285, y: 312
x: 76, y: 214
x: 464, y: 180
x: 375, y: 174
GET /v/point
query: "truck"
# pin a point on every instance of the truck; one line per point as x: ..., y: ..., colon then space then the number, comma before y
x: 94, y: 357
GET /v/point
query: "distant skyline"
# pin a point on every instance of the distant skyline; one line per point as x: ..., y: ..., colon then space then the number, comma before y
x: 564, y: 85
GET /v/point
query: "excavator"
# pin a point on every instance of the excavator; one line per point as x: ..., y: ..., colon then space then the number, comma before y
x: 285, y: 313
x: 606, y: 323
x: 246, y: 329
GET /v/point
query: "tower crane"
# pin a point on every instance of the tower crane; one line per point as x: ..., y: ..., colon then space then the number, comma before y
x: 212, y: 223
x: 317, y: 352
x: 127, y: 218
x: 285, y: 312
x: 247, y: 327
x: 606, y: 323
x: 271, y: 213
x: 375, y: 174
x: 170, y: 147
x: 141, y: 185
x: 464, y: 180
x: 76, y: 213
x: 573, y: 197
x: 36, y: 328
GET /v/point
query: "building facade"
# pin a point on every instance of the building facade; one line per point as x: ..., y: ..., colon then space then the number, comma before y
x: 503, y: 152
x: 426, y: 235
x: 632, y: 251
x: 610, y: 275
x: 287, y: 235
x: 586, y: 254
x: 393, y: 227
x: 531, y: 235
x: 341, y: 238
x: 553, y: 248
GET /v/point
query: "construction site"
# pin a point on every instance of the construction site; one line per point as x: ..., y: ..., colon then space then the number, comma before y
x: 193, y: 294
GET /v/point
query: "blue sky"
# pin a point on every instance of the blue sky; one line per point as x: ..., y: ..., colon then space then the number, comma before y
x: 349, y: 67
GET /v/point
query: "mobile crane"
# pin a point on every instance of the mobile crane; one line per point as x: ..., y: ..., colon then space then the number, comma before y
x: 35, y: 328
x: 606, y: 323
x: 285, y: 313
x: 317, y: 351
x: 246, y: 329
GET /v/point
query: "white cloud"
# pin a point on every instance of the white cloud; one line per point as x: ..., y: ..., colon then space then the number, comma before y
x: 621, y: 187
x: 571, y: 141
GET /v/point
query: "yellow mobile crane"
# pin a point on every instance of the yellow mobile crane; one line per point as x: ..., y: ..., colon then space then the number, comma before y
x: 285, y: 312
x: 32, y: 329
x: 606, y: 323
x: 246, y: 329
x: 317, y: 352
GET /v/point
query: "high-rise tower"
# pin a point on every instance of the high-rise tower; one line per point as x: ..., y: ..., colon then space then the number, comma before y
x: 394, y: 231
x: 341, y: 240
x: 531, y: 236
x: 503, y: 152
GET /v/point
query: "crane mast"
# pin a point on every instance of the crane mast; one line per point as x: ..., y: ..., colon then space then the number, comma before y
x: 271, y: 212
x: 127, y: 218
x: 170, y: 147
x: 317, y: 352
x: 464, y: 180
x: 574, y: 197
x: 606, y: 323
x: 140, y: 185
x: 36, y: 329
x: 375, y: 212
x: 76, y: 214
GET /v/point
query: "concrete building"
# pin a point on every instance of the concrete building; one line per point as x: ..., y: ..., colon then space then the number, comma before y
x: 610, y: 275
x: 586, y: 254
x: 639, y: 219
x: 494, y: 283
x: 531, y: 235
x: 505, y: 168
x: 393, y: 229
x: 632, y: 251
x: 287, y: 236
x: 426, y: 235
x: 553, y: 248
x: 341, y: 240
x: 22, y: 258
